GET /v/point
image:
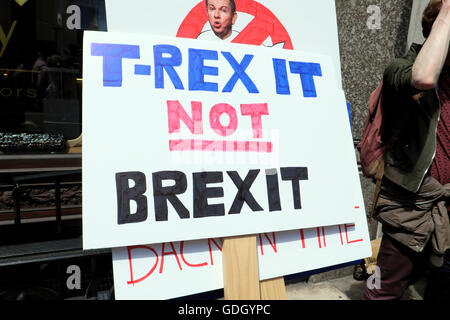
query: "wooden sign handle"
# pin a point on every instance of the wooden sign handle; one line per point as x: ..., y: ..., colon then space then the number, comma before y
x: 241, y: 274
x: 240, y: 268
x: 273, y: 289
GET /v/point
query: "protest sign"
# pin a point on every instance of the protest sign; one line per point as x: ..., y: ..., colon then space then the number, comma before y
x: 177, y: 268
x: 205, y: 142
x: 184, y: 268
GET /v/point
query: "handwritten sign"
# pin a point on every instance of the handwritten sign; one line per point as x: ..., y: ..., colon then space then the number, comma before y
x: 183, y: 268
x: 179, y: 268
x: 185, y: 139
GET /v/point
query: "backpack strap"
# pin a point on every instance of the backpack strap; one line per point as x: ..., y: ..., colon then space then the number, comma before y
x: 378, y: 177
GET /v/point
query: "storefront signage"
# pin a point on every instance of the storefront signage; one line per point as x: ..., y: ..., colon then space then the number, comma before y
x: 5, y: 36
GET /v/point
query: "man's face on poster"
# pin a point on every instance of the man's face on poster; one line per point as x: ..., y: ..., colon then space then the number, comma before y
x: 221, y: 17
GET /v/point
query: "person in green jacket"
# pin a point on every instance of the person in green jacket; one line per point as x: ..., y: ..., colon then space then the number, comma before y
x: 412, y: 205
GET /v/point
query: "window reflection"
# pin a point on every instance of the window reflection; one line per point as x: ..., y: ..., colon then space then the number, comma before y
x: 41, y: 63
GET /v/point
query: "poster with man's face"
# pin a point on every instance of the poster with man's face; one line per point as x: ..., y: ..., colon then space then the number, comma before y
x: 221, y: 18
x: 290, y: 24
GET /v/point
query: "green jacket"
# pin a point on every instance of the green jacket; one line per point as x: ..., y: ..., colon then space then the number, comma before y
x: 411, y: 123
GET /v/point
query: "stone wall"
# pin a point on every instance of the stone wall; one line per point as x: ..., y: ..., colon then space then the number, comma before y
x: 371, y: 33
x: 366, y: 46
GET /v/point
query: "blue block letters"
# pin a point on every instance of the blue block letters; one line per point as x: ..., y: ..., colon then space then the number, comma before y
x: 197, y: 70
x: 167, y: 58
x: 112, y: 60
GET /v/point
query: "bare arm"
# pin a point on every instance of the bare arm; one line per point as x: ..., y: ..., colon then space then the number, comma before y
x: 431, y: 58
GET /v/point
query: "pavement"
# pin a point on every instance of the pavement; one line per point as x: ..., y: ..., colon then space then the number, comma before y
x: 342, y: 288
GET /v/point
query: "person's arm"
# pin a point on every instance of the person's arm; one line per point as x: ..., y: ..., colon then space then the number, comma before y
x: 431, y: 58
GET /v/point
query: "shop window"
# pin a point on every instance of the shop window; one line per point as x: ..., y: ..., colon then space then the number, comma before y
x: 41, y: 63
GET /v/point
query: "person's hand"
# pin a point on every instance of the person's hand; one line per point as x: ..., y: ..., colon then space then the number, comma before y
x: 445, y: 4
x: 445, y: 9
x: 431, y: 58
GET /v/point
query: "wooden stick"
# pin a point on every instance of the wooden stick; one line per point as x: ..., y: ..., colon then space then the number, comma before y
x: 240, y: 268
x: 74, y: 150
x: 75, y: 142
x: 273, y: 289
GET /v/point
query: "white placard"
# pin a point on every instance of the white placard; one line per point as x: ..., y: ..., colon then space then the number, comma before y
x: 187, y: 139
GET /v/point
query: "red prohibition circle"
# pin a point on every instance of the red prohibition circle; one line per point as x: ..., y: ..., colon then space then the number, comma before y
x: 263, y: 25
